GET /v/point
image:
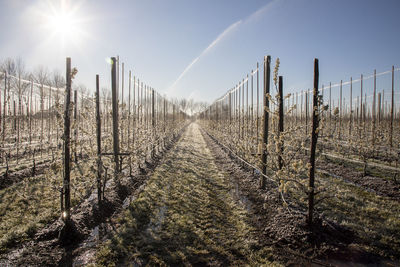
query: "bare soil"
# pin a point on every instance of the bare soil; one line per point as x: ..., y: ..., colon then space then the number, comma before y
x: 17, y: 176
x: 386, y: 184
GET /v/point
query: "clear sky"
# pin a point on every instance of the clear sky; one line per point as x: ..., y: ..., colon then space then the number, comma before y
x: 199, y: 49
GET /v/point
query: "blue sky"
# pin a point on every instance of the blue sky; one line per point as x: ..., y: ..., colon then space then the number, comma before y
x: 216, y: 42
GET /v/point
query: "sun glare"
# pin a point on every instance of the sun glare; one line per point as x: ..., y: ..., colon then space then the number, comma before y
x: 61, y: 23
x: 64, y: 23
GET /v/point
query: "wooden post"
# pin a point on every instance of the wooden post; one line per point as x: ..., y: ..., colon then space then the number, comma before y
x: 30, y: 116
x: 14, y: 119
x: 41, y: 114
x: 147, y: 105
x: 129, y: 109
x: 115, y: 114
x: 117, y: 76
x: 4, y: 106
x: 50, y: 114
x: 379, y: 107
x: 67, y: 122
x: 306, y: 106
x: 383, y: 105
x: 258, y: 108
x: 340, y: 110
x: 239, y: 108
x: 35, y: 111
x: 122, y: 102
x: 392, y: 111
x: 358, y: 110
x: 314, y: 138
x: 230, y: 110
x: 351, y: 105
x: 0, y: 111
x: 322, y: 102
x: 141, y: 104
x: 148, y: 113
x: 365, y: 110
x: 243, y: 109
x: 75, y: 125
x: 134, y: 111
x: 153, y: 120
x: 252, y: 108
x: 247, y: 106
x: 19, y: 112
x: 216, y: 113
x: 292, y: 111
x: 296, y: 112
x: 267, y: 78
x: 374, y: 111
x: 330, y: 103
x: 165, y: 114
x: 173, y: 115
x: 361, y: 103
x: 98, y: 135
x: 301, y: 108
x: 280, y: 125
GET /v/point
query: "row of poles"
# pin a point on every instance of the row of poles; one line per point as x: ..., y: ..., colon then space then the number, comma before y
x: 150, y: 113
x: 34, y: 112
x: 35, y: 117
x: 235, y: 119
x: 241, y: 106
x: 26, y: 116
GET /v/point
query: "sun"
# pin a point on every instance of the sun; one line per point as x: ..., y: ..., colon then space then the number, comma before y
x: 64, y: 22
x: 61, y: 23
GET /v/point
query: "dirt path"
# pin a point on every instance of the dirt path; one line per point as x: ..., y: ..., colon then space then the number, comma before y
x: 187, y: 214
